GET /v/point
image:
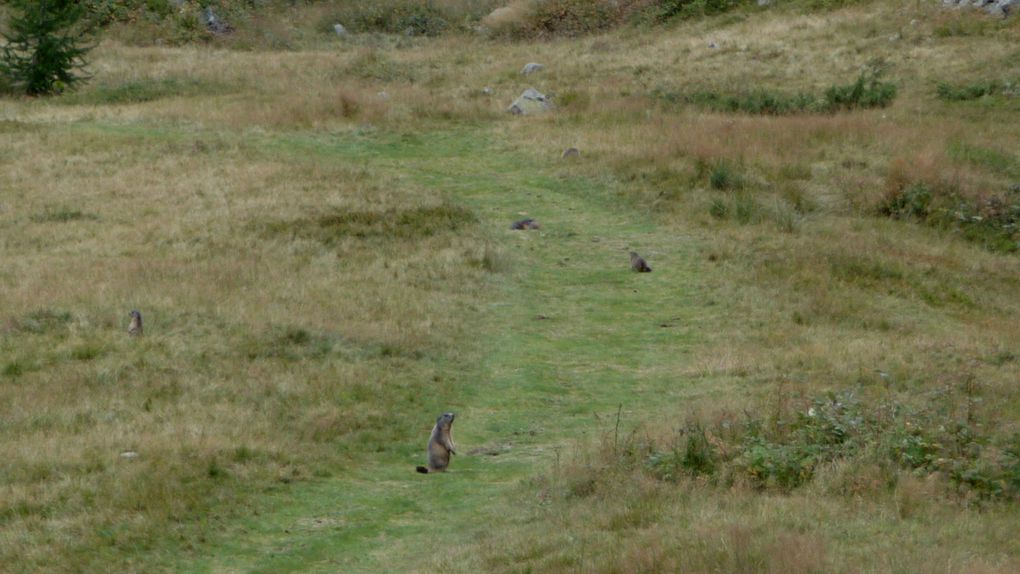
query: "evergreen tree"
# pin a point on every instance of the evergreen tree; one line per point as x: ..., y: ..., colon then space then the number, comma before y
x: 45, y: 45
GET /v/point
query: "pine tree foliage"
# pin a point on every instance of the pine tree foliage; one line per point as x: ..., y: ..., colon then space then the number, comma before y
x: 45, y: 46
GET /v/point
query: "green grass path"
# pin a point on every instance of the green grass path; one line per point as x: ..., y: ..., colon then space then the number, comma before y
x: 609, y: 338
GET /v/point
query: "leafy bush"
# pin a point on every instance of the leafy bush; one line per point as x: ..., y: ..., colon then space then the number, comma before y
x: 722, y: 176
x: 393, y: 17
x: 966, y: 92
x: 992, y: 221
x: 758, y: 101
x: 106, y: 11
x: 868, y: 91
x: 574, y: 17
x: 664, y: 10
x: 912, y: 201
x: 784, y: 450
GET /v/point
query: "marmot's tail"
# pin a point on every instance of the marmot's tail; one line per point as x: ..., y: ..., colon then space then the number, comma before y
x: 422, y: 470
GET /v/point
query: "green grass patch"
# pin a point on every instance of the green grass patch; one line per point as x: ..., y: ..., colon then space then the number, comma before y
x: 411, y: 223
x: 141, y: 91
x: 61, y: 215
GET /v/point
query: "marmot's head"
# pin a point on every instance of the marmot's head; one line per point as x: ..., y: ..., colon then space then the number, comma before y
x: 136, y: 315
x: 445, y: 420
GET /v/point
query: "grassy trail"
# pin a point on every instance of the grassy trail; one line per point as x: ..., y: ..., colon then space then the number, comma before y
x: 570, y: 336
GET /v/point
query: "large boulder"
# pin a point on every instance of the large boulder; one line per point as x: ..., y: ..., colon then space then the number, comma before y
x: 995, y: 7
x: 530, y: 102
x: 1004, y: 7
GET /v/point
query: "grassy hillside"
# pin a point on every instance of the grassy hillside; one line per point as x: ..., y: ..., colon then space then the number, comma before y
x: 820, y: 375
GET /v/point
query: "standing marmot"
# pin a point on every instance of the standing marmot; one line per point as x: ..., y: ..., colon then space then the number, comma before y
x: 637, y: 263
x: 440, y: 445
x: 135, y: 328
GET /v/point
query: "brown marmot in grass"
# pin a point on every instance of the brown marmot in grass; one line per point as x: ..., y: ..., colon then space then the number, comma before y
x: 440, y: 445
x: 525, y: 224
x: 638, y: 263
x: 135, y: 328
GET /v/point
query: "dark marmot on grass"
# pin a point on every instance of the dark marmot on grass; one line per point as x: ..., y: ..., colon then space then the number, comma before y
x: 525, y: 224
x: 135, y: 328
x: 638, y: 263
x: 440, y: 445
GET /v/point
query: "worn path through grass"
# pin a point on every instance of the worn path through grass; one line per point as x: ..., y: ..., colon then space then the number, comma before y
x: 568, y: 337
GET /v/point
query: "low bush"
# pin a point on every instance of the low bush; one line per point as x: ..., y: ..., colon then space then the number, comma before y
x: 783, y: 451
x: 867, y: 91
x: 665, y: 10
x: 391, y: 16
x: 992, y: 221
x: 965, y: 92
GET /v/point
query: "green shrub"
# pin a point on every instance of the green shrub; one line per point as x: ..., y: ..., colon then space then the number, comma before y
x: 392, y: 17
x: 664, y: 10
x: 992, y: 221
x: 723, y: 177
x: 784, y: 450
x: 574, y: 17
x: 107, y: 11
x: 966, y: 92
x: 912, y: 201
x: 758, y: 101
x: 868, y: 91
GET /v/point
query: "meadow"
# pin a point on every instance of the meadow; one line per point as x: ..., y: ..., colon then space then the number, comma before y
x: 820, y: 374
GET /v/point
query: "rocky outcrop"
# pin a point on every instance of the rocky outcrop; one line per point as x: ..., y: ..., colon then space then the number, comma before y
x: 530, y: 102
x: 996, y: 7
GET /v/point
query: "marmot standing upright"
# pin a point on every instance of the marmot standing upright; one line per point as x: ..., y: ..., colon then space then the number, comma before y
x: 638, y: 263
x: 440, y: 445
x: 135, y: 328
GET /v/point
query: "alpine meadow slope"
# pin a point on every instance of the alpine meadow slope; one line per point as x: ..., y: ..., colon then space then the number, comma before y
x: 820, y: 375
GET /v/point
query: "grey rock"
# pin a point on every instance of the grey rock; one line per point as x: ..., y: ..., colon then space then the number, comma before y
x: 531, y: 101
x: 713, y: 45
x: 340, y: 30
x: 213, y: 23
x: 764, y: 3
x: 571, y: 152
x: 1004, y: 8
x: 488, y: 91
x: 129, y: 454
x: 531, y: 68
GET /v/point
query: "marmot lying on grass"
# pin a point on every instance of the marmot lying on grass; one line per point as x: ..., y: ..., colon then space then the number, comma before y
x: 525, y: 224
x: 440, y: 445
x: 135, y: 328
x: 637, y: 263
